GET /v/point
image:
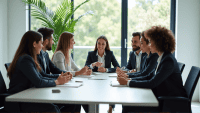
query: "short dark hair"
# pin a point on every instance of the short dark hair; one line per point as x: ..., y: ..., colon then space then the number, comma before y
x: 46, y: 32
x: 162, y: 37
x: 145, y: 39
x: 136, y: 34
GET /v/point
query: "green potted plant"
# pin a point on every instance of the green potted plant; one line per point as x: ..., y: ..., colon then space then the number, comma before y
x: 61, y: 20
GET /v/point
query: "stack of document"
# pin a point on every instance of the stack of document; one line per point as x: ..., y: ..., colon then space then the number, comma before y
x: 116, y: 84
x: 74, y: 85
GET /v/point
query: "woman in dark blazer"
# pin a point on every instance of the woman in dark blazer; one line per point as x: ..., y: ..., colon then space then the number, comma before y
x: 101, y: 58
x: 166, y: 79
x: 24, y: 73
x: 150, y: 61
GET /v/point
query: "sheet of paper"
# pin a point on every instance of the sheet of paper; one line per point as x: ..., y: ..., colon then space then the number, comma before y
x: 85, y: 76
x: 98, y: 78
x: 74, y: 85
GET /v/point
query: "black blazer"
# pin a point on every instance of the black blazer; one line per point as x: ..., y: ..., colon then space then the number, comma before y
x: 132, y: 61
x: 166, y: 82
x: 150, y: 65
x: 50, y: 67
x: 26, y: 76
x: 92, y: 57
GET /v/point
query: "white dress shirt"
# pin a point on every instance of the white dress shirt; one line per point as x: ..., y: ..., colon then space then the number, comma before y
x: 138, y: 60
x: 159, y: 59
x: 60, y: 62
x: 100, y: 59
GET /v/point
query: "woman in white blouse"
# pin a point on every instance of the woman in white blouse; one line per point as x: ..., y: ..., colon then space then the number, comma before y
x: 62, y: 56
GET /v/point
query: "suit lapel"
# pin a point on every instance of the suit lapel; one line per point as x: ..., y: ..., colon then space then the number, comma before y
x: 143, y: 60
x: 106, y: 59
x: 134, y: 61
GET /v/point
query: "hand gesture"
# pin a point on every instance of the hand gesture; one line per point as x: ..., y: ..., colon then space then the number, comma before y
x: 97, y: 64
x: 132, y: 71
x: 69, y: 75
x: 89, y: 72
x: 101, y: 69
x: 62, y: 79
x: 122, y: 80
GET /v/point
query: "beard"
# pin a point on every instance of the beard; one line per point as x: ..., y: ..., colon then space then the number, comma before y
x: 137, y: 48
x: 49, y: 47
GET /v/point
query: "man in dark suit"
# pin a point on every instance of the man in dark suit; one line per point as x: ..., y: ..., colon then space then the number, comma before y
x: 43, y: 57
x: 136, y: 57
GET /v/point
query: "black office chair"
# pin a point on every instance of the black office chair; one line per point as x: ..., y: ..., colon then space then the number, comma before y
x: 7, y: 65
x: 10, y: 106
x: 3, y: 93
x: 182, y: 104
x: 181, y: 66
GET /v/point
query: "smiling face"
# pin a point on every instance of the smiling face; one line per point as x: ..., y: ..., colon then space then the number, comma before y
x: 135, y: 43
x: 49, y: 42
x: 72, y: 42
x: 101, y: 45
x: 144, y: 46
x: 38, y: 46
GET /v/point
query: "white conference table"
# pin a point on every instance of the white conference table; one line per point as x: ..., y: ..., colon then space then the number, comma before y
x: 92, y: 92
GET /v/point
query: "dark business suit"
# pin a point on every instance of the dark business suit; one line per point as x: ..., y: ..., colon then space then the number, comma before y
x: 109, y: 58
x: 50, y: 67
x: 166, y: 82
x: 150, y: 64
x: 26, y: 76
x: 132, y: 61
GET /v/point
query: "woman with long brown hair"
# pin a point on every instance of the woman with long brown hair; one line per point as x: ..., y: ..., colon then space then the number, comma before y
x: 62, y: 56
x: 101, y: 58
x: 24, y: 72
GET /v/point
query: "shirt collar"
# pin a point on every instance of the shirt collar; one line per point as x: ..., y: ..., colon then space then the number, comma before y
x: 103, y: 54
x: 160, y: 57
x: 140, y: 53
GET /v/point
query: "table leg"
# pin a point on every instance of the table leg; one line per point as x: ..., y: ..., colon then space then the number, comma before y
x: 93, y: 108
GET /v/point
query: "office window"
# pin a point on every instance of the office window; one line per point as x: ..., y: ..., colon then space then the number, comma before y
x: 142, y: 14
x: 107, y: 20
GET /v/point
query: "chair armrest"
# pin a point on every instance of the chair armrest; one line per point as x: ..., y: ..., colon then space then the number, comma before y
x: 174, y: 104
x: 4, y: 95
x: 173, y: 98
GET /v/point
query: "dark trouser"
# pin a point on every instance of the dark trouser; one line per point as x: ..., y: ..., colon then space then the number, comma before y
x: 71, y: 108
x: 38, y: 107
x: 135, y: 109
x: 113, y: 106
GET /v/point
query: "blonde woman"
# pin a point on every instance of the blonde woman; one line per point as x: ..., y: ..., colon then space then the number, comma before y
x: 62, y: 58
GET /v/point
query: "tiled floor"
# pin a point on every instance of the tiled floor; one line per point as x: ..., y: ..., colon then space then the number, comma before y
x: 118, y: 108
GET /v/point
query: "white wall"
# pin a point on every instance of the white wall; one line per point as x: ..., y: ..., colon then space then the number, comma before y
x: 188, y: 36
x: 16, y: 25
x: 12, y: 27
x: 3, y: 37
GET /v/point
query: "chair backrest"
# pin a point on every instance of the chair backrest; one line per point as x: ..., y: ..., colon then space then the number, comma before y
x: 7, y: 65
x: 191, y: 81
x: 2, y: 84
x: 2, y: 89
x: 181, y: 66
